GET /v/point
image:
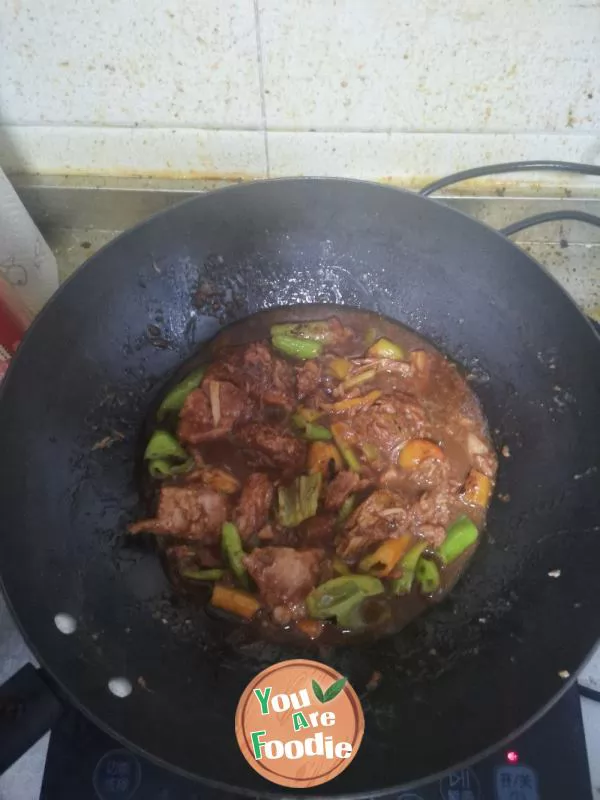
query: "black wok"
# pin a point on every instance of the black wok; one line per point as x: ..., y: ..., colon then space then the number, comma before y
x: 460, y: 679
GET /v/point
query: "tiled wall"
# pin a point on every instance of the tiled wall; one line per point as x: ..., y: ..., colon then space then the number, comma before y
x: 399, y: 90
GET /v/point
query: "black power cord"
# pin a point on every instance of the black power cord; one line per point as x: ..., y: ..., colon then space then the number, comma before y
x: 587, y: 691
x: 549, y: 216
x: 511, y: 166
x: 524, y: 166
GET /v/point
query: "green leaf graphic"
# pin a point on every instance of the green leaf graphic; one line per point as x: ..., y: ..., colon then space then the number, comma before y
x: 334, y: 690
x: 318, y: 692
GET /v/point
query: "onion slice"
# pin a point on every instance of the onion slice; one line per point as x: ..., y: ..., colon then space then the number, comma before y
x: 215, y: 401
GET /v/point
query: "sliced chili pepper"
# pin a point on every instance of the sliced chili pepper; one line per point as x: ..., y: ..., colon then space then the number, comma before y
x: 403, y: 584
x: 317, y: 331
x: 304, y: 415
x: 310, y: 429
x: 317, y: 433
x: 368, y: 612
x: 296, y: 347
x: 459, y: 537
x: 160, y: 468
x: 231, y: 545
x: 299, y: 500
x: 177, y: 396
x: 164, y: 446
x: 203, y: 574
x: 340, y: 567
x: 339, y: 595
x: 346, y: 509
x: 427, y: 576
x: 338, y: 431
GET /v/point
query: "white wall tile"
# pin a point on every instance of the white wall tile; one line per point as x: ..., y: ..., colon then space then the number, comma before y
x: 124, y: 62
x: 405, y: 159
x: 454, y: 84
x: 412, y: 159
x: 155, y: 152
x: 427, y: 65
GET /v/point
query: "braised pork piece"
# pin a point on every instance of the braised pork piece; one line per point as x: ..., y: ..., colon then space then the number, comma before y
x: 329, y: 477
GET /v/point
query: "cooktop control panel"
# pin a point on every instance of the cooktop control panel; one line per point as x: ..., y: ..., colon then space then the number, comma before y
x: 547, y: 762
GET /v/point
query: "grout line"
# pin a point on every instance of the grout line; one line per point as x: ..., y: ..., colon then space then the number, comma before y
x: 145, y: 126
x: 261, y: 83
x: 352, y: 131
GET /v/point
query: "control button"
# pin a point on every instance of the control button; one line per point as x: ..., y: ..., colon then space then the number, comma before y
x: 117, y: 775
x: 461, y: 785
x: 516, y: 782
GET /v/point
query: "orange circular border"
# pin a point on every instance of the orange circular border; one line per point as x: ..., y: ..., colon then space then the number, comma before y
x: 242, y: 735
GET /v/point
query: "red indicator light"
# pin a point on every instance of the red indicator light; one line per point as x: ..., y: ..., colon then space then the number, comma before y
x: 512, y: 757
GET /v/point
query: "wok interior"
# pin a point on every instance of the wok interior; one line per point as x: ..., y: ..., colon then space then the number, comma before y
x: 481, y: 663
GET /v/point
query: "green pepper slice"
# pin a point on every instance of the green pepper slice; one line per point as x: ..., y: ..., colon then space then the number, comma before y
x: 364, y: 614
x: 317, y: 331
x: 177, y: 396
x: 339, y: 567
x: 337, y: 429
x: 427, y: 576
x: 231, y: 545
x: 317, y: 433
x: 311, y: 430
x: 346, y: 509
x: 299, y: 500
x: 459, y: 537
x: 160, y: 468
x: 296, y: 347
x: 403, y: 584
x: 337, y: 597
x: 164, y: 446
x: 203, y: 574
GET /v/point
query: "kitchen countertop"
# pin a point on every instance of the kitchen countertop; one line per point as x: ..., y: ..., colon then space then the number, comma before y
x: 78, y: 216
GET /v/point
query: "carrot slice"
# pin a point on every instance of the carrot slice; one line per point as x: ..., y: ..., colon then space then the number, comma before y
x: 415, y: 451
x: 387, y: 555
x: 477, y: 489
x: 240, y: 603
x: 320, y: 454
x: 310, y: 627
x: 353, y: 402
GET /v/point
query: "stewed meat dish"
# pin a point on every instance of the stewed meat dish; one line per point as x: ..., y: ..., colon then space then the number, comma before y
x: 328, y: 477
